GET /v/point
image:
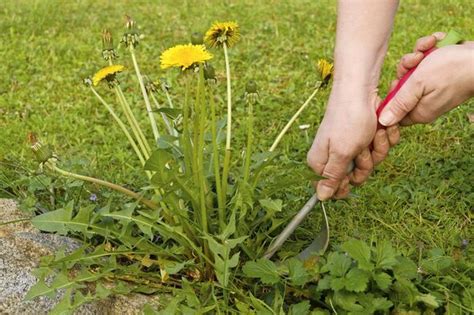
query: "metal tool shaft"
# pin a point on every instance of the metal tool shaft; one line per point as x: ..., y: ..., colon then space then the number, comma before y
x: 290, y: 228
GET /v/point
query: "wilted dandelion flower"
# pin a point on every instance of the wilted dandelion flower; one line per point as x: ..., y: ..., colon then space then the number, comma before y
x: 222, y: 32
x: 325, y: 69
x: 184, y: 56
x: 108, y: 73
x: 108, y: 51
x: 131, y: 37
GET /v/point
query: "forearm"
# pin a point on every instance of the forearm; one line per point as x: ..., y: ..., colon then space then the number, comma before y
x: 363, y: 31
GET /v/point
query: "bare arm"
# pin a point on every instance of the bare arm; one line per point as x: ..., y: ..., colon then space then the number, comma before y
x: 349, y: 124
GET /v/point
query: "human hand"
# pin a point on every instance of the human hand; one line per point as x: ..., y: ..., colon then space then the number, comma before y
x: 443, y: 80
x: 347, y: 130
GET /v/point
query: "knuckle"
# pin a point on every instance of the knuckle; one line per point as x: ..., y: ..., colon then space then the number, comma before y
x: 401, y: 104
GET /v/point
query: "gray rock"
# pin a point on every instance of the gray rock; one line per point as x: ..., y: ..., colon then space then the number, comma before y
x: 21, y: 246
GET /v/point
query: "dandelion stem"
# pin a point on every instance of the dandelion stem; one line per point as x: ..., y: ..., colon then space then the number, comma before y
x: 121, y: 125
x: 151, y: 116
x: 140, y: 137
x: 150, y: 204
x: 292, y: 120
x: 225, y: 172
x: 248, y: 149
x: 215, y: 152
x: 200, y: 152
x: 167, y: 122
x: 168, y: 97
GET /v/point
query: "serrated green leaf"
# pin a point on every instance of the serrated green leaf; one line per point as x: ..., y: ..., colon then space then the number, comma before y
x: 360, y: 252
x: 296, y: 272
x: 324, y: 283
x: 337, y: 283
x: 53, y: 221
x: 385, y: 255
x: 405, y: 291
x: 357, y: 280
x: 337, y: 264
x: 383, y: 280
x: 40, y: 288
x: 347, y: 301
x: 301, y: 308
x: 437, y: 261
x: 428, y: 300
x: 405, y: 268
x: 262, y: 269
x: 64, y: 306
x: 271, y: 205
x: 82, y: 219
x: 381, y: 304
x: 172, y: 113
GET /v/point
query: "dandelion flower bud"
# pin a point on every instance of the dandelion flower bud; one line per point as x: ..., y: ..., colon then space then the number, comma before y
x: 42, y: 153
x: 165, y: 85
x: 150, y: 86
x: 197, y: 38
x: 210, y: 73
x: 251, y: 92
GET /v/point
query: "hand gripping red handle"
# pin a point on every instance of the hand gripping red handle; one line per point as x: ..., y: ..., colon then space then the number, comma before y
x: 451, y: 38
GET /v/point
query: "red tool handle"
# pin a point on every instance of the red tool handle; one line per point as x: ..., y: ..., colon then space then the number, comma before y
x: 396, y: 89
x: 451, y: 38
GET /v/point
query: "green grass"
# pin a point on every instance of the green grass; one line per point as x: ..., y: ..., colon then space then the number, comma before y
x: 420, y: 197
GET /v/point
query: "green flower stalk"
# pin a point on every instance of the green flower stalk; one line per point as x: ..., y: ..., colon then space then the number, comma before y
x: 130, y: 38
x: 140, y: 137
x: 120, y: 123
x: 151, y: 90
x: 225, y: 34
x: 49, y: 161
x: 251, y: 98
x: 325, y: 72
x: 295, y: 116
x: 109, y: 74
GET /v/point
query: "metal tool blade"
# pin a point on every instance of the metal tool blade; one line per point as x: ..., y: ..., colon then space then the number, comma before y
x: 290, y: 228
x: 320, y: 242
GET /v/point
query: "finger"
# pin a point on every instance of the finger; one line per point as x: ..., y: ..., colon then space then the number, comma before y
x: 381, y: 146
x: 335, y: 171
x: 363, y: 167
x: 393, y: 133
x: 439, y: 35
x: 317, y: 156
x: 412, y: 59
x: 425, y: 43
x: 393, y: 85
x: 343, y: 190
x: 403, y: 102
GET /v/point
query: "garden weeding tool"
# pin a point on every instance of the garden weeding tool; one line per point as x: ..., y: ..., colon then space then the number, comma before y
x: 321, y: 241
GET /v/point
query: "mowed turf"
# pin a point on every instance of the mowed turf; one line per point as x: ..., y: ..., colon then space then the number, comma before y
x: 420, y: 197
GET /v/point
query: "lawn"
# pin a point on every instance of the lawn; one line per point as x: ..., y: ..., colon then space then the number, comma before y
x: 421, y: 197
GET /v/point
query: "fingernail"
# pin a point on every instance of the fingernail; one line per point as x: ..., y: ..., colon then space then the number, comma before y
x: 325, y: 192
x: 419, y: 54
x: 387, y: 118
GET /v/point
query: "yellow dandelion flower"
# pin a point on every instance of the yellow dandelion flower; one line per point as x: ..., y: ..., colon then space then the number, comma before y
x: 184, y: 56
x: 222, y: 32
x: 325, y: 69
x: 107, y: 73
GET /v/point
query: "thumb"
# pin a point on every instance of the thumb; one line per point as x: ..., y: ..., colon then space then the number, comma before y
x: 402, y: 103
